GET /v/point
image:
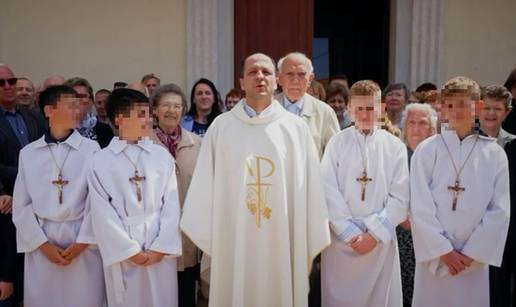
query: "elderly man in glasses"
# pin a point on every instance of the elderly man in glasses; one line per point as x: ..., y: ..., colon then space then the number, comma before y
x: 18, y: 127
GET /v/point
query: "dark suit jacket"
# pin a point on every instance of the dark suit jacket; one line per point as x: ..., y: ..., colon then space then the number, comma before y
x: 509, y: 256
x: 9, y: 151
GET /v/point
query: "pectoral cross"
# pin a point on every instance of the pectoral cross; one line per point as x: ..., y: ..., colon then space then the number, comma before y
x: 364, y: 180
x: 456, y: 190
x: 136, y: 180
x: 60, y: 183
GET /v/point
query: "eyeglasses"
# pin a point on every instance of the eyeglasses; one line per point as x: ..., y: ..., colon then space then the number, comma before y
x: 10, y: 81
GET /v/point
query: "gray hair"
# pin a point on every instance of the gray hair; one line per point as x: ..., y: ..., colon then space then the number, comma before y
x: 298, y: 56
x: 258, y: 55
x: 423, y: 107
x: 163, y: 90
x: 499, y: 93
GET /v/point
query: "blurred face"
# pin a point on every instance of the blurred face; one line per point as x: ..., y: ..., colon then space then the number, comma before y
x: 458, y: 110
x: 395, y: 101
x: 133, y: 124
x: 259, y: 80
x: 85, y: 100
x: 338, y: 104
x: 7, y: 86
x: 294, y: 78
x: 231, y: 101
x: 203, y: 97
x: 363, y: 111
x: 100, y: 103
x: 151, y: 84
x: 25, y: 92
x: 169, y: 111
x: 492, y: 115
x: 64, y: 114
x: 417, y: 127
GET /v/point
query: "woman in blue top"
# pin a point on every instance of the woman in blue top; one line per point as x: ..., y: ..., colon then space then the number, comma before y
x: 205, y: 106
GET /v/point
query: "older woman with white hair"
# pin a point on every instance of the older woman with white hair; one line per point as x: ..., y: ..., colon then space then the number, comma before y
x: 419, y: 121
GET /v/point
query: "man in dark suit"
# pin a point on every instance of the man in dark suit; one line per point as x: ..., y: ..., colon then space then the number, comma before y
x: 18, y: 127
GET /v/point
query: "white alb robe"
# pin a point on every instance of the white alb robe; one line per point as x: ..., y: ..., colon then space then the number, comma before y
x: 39, y: 218
x: 123, y: 226
x: 477, y: 228
x: 256, y: 206
x: 373, y: 279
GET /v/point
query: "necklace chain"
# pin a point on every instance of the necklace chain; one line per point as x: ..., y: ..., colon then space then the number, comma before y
x: 459, y: 171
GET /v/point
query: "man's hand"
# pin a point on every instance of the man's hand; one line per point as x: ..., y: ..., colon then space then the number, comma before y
x: 6, y: 290
x: 6, y: 204
x: 363, y: 243
x: 73, y: 251
x: 53, y: 253
x: 154, y: 257
x: 140, y: 259
x: 405, y: 224
x: 456, y: 262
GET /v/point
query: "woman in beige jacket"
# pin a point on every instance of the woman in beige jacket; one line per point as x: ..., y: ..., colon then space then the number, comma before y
x: 169, y: 106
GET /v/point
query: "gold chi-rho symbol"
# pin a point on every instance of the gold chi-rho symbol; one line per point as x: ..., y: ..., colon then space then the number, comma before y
x: 258, y: 192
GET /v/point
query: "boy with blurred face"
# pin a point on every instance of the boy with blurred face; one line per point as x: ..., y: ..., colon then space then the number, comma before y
x: 497, y: 105
x: 295, y: 76
x: 51, y: 212
x: 135, y: 209
x: 459, y: 204
x: 256, y: 183
x: 365, y: 174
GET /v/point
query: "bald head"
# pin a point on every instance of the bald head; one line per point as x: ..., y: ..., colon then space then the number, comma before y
x: 258, y: 57
x: 53, y: 80
x: 8, y: 90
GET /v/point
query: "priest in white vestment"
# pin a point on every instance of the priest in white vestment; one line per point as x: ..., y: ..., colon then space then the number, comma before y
x: 365, y: 173
x: 136, y: 223
x: 459, y: 205
x: 256, y: 204
x: 63, y: 266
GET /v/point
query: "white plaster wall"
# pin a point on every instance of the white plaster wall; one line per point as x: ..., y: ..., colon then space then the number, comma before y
x: 103, y: 41
x: 480, y: 40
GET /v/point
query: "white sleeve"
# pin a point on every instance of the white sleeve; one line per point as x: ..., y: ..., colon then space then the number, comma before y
x: 382, y: 225
x: 487, y: 242
x: 29, y: 235
x: 114, y: 242
x: 168, y: 240
x: 340, y: 216
x: 428, y: 234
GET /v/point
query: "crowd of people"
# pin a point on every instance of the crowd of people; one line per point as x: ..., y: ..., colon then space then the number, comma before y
x: 287, y: 192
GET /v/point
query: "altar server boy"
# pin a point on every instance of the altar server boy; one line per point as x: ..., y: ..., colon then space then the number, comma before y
x: 365, y: 173
x: 51, y: 211
x: 459, y: 205
x: 135, y: 208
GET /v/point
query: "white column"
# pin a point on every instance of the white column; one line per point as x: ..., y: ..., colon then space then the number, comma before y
x: 427, y: 42
x: 416, y: 43
x: 209, y: 43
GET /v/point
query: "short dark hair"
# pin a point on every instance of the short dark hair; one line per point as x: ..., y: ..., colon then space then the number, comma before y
x: 51, y: 95
x: 339, y: 76
x: 335, y: 89
x: 425, y: 87
x: 121, y: 100
x: 394, y: 87
x: 103, y: 90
